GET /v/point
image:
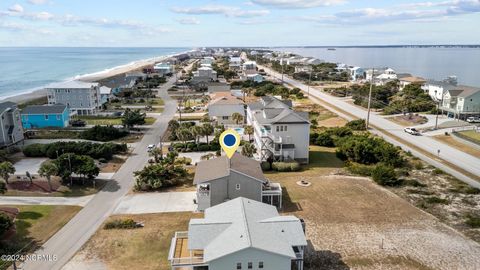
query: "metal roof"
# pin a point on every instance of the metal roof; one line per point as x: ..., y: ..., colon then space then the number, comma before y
x: 243, y: 223
x: 44, y: 109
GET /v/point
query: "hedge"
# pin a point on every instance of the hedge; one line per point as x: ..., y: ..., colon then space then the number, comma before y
x: 94, y: 150
x: 292, y: 166
x: 193, y: 147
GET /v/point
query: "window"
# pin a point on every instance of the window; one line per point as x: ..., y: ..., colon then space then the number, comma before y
x: 250, y: 265
x: 260, y: 265
x: 278, y: 128
x: 225, y: 117
x: 46, y: 116
x: 239, y: 266
x: 58, y: 117
x: 281, y: 128
x: 237, y: 186
x: 285, y: 128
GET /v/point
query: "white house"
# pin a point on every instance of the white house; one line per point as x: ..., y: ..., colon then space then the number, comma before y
x: 437, y: 89
x: 404, y: 81
x: 281, y: 134
x: 356, y: 73
x: 255, y: 77
x: 83, y: 98
x: 303, y: 68
x: 235, y: 63
x: 163, y: 68
x: 105, y: 94
x: 240, y: 234
x: 249, y: 67
x: 11, y: 130
x: 208, y: 60
x: 204, y: 73
x: 221, y: 108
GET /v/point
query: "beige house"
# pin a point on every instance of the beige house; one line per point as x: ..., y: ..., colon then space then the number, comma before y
x: 462, y: 101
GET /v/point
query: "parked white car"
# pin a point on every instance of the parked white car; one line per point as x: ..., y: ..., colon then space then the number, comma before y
x: 412, y: 131
x: 473, y: 119
x: 150, y: 147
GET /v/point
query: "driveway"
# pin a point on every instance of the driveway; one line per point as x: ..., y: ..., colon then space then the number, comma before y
x: 156, y: 203
x: 31, y: 165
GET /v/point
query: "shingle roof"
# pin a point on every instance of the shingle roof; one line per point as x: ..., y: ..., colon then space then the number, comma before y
x: 226, y: 100
x: 220, y: 167
x: 270, y: 110
x: 6, y: 105
x: 243, y: 223
x: 413, y: 79
x: 71, y: 84
x: 466, y: 90
x: 44, y: 109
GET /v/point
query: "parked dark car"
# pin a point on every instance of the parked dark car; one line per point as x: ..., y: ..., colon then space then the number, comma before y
x: 77, y: 123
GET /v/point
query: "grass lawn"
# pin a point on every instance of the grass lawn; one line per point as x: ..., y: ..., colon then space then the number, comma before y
x: 63, y: 191
x: 459, y: 145
x: 472, y: 134
x: 407, y: 120
x: 147, y: 246
x: 100, y: 120
x: 37, y: 223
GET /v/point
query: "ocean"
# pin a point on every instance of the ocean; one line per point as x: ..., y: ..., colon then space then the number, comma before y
x: 26, y: 69
x: 428, y: 62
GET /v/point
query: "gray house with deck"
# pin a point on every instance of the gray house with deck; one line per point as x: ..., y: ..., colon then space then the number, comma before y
x: 220, y: 179
x: 240, y: 234
x: 11, y: 131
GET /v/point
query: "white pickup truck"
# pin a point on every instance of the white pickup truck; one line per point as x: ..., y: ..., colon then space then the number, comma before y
x: 473, y: 119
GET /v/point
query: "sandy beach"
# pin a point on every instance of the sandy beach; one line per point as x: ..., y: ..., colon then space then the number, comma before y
x: 93, y: 77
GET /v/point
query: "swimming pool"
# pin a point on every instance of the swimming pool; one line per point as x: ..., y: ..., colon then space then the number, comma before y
x: 240, y: 131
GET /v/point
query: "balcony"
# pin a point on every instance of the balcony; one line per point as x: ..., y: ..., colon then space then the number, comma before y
x: 180, y: 255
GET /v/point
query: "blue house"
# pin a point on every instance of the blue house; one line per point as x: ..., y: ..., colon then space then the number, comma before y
x: 42, y: 116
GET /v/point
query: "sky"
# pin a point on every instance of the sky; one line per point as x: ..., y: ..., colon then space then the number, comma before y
x: 196, y: 23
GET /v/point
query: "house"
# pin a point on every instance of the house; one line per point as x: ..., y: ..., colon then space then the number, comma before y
x: 235, y: 63
x: 43, y: 116
x: 11, y: 131
x: 105, y: 94
x: 437, y: 89
x: 314, y: 61
x: 404, y: 81
x: 221, y: 179
x: 356, y: 73
x: 249, y: 68
x: 163, y: 68
x: 462, y: 101
x: 281, y: 134
x: 135, y: 75
x: 82, y: 98
x: 255, y: 77
x: 221, y: 108
x: 240, y: 234
x: 214, y: 87
x: 306, y: 69
x: 206, y: 74
x: 208, y: 60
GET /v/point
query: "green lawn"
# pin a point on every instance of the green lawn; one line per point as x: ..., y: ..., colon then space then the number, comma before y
x: 35, y: 224
x: 472, y: 134
x: 102, y: 120
x: 76, y: 190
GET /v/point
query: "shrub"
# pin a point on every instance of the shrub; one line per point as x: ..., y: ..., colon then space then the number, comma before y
x: 413, y: 183
x: 203, y: 148
x: 94, y: 150
x: 121, y: 224
x: 437, y: 171
x: 384, y: 175
x: 360, y: 169
x: 292, y: 166
x: 103, y: 133
x: 266, y: 166
x: 35, y: 150
x: 5, y: 223
x: 358, y: 124
x: 324, y: 139
x: 473, y: 221
x: 3, y: 187
x: 436, y: 200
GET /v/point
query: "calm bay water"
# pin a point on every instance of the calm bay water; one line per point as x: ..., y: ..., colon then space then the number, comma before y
x: 430, y: 63
x: 26, y: 69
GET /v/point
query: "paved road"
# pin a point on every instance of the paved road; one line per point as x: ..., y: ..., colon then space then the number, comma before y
x: 465, y: 161
x: 66, y: 242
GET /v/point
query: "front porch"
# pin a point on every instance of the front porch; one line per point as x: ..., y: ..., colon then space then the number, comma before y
x: 181, y: 258
x: 272, y: 194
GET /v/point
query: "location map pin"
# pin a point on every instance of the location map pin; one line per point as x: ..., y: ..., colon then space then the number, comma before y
x: 229, y: 140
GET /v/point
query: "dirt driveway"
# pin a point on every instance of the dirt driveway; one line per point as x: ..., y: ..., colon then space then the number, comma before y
x: 352, y: 223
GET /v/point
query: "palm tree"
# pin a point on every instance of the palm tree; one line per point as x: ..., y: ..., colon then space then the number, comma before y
x: 184, y: 134
x: 237, y: 117
x: 248, y: 149
x: 249, y: 131
x: 47, y: 169
x: 207, y: 129
x: 6, y: 168
x: 197, y: 131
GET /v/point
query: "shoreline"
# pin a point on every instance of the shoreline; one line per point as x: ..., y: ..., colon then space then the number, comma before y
x: 40, y: 92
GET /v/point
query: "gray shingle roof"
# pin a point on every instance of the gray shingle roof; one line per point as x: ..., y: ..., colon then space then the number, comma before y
x: 220, y: 167
x: 243, y: 223
x: 270, y: 110
x: 6, y: 105
x: 466, y: 91
x: 44, y: 109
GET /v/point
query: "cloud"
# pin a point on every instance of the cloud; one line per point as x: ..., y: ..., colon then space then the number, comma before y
x: 418, y: 12
x: 16, y: 9
x: 37, y: 2
x: 16, y: 27
x: 188, y: 20
x: 297, y: 3
x: 219, y: 9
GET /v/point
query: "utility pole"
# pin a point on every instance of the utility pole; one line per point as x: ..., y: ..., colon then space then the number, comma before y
x: 282, y: 70
x: 308, y: 85
x: 370, y: 98
x: 70, y: 165
x: 438, y: 108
